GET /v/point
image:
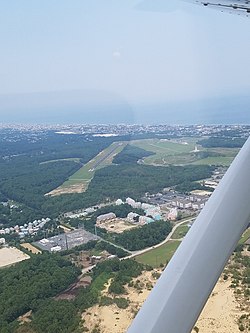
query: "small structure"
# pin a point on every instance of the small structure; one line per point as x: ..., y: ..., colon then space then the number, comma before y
x: 2, y: 241
x: 56, y: 248
x: 118, y: 202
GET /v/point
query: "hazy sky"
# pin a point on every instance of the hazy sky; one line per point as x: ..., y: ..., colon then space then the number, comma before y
x: 125, y: 48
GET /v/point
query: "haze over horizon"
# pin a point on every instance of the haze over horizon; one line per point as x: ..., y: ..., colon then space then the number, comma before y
x: 99, y: 107
x: 138, y: 61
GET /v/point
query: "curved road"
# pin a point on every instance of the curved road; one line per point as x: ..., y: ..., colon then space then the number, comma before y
x: 136, y: 253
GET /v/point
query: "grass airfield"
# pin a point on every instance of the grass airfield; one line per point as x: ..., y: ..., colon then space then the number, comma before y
x: 179, y: 151
x: 182, y: 151
x: 80, y: 180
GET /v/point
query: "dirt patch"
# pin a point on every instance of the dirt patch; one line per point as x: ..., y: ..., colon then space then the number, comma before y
x: 26, y: 318
x: 116, y: 225
x: 113, y: 319
x: 77, y: 188
x: 11, y: 255
x: 66, y: 229
x: 220, y: 314
x: 31, y: 248
x: 73, y: 290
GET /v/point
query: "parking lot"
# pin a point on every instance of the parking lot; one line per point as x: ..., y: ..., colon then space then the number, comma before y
x: 67, y: 240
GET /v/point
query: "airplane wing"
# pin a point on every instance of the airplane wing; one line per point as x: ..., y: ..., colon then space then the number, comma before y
x: 241, y: 7
x: 180, y: 294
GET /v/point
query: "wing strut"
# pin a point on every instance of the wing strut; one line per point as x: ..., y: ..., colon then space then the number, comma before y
x: 180, y: 294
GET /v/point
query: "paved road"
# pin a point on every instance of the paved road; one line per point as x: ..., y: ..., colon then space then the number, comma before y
x: 136, y: 253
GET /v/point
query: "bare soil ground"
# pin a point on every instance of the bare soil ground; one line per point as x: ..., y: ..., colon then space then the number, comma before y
x: 73, y: 290
x: 117, y: 225
x: 11, y: 255
x: 220, y: 314
x: 222, y: 311
x: 31, y: 248
x: 76, y: 188
x: 112, y: 318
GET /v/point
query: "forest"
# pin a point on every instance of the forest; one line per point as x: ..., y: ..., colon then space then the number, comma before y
x: 32, y: 284
x: 25, y: 178
x: 108, y: 184
x: 144, y: 236
x: 27, y: 285
x: 131, y: 154
x: 222, y: 142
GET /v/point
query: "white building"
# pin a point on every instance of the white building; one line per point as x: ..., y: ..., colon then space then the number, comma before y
x: 105, y: 217
x: 2, y: 241
x: 118, y: 202
x: 56, y: 248
x: 173, y: 214
x: 130, y: 201
x: 131, y: 216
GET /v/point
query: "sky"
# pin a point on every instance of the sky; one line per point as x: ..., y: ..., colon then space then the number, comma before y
x: 66, y: 56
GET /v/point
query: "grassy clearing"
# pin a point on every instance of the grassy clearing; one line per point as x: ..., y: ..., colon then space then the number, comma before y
x: 160, y: 255
x: 180, y: 232
x: 245, y: 236
x: 181, y: 152
x: 166, y: 151
x: 218, y: 160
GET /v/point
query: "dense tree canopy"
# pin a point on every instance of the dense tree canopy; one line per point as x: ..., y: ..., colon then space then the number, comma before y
x: 225, y: 142
x: 24, y: 285
x: 131, y: 154
x: 145, y: 236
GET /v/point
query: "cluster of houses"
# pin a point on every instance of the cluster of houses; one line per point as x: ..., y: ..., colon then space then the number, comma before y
x: 27, y: 229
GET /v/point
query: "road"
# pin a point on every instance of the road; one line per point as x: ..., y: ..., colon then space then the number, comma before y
x: 137, y: 253
x: 168, y: 238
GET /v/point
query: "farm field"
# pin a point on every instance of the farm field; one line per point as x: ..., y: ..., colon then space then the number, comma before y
x: 79, y: 181
x: 159, y: 255
x: 11, y: 255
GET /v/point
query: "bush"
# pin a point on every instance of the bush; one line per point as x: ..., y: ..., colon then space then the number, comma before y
x: 122, y: 303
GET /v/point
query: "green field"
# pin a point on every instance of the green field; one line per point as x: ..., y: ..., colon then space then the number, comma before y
x: 245, y: 236
x: 159, y: 255
x: 86, y: 173
x: 168, y: 152
x: 180, y: 232
x: 181, y: 151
